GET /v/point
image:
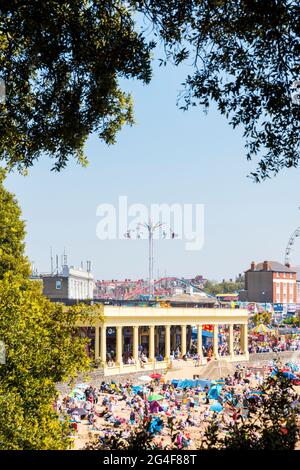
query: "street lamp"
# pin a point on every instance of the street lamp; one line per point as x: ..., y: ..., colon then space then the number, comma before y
x: 263, y: 293
x: 151, y: 228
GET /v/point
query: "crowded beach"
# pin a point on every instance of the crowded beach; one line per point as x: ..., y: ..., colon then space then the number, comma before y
x: 159, y: 400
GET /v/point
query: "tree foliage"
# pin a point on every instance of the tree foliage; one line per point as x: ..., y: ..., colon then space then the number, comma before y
x: 294, y: 321
x: 12, y: 232
x: 41, y: 345
x: 263, y: 317
x: 62, y: 63
x: 225, y: 287
x: 245, y: 58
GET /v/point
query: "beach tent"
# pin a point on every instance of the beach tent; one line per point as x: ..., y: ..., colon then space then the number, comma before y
x: 289, y: 375
x: 203, y: 383
x: 156, y: 425
x: 77, y: 393
x: 215, y: 391
x: 191, y: 383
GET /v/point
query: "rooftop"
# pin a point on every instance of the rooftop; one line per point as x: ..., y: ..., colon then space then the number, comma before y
x: 273, y: 266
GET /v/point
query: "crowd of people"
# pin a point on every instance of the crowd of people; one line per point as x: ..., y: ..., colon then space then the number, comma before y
x: 270, y: 343
x: 160, y: 403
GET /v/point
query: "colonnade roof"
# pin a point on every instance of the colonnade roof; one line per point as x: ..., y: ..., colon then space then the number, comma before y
x: 131, y: 315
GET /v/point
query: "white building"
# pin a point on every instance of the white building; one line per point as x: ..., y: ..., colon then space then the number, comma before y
x: 80, y: 283
x: 70, y: 283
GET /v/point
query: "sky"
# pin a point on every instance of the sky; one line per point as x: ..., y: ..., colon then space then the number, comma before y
x: 168, y: 156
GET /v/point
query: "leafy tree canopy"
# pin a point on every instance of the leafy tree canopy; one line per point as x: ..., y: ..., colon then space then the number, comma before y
x: 245, y: 58
x: 264, y: 317
x: 225, y: 287
x: 62, y: 60
x: 41, y: 345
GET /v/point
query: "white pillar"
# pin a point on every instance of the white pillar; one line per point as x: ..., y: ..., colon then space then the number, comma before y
x: 136, y: 344
x: 151, y: 343
x: 216, y: 342
x: 119, y: 346
x: 244, y: 339
x: 199, y: 342
x: 167, y: 342
x: 103, y: 345
x: 231, y: 342
x: 96, y: 343
x: 183, y: 340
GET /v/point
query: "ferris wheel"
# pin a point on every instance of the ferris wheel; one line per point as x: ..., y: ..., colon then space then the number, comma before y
x: 290, y: 245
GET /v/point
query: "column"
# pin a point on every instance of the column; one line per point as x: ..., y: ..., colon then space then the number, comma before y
x: 103, y: 345
x: 244, y: 339
x: 151, y: 344
x: 231, y: 342
x: 119, y: 346
x: 183, y: 340
x: 199, y: 342
x: 136, y: 344
x: 97, y: 340
x: 174, y: 338
x: 167, y: 342
x: 216, y: 342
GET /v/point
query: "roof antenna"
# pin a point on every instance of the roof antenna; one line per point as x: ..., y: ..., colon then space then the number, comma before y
x: 65, y: 258
x: 51, y: 257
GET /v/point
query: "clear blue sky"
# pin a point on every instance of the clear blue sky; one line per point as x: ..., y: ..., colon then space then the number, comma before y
x: 168, y: 156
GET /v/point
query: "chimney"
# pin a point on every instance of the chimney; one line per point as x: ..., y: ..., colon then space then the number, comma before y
x: 253, y: 266
x: 288, y: 265
x: 265, y: 266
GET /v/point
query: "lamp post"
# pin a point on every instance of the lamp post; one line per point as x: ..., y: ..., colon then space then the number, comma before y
x: 151, y: 228
x: 264, y: 294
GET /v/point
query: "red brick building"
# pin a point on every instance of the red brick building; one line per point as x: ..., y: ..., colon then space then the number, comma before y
x: 270, y: 282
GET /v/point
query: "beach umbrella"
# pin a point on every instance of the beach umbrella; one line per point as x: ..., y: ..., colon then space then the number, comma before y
x: 155, y: 376
x: 216, y: 407
x: 155, y: 397
x: 145, y: 378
